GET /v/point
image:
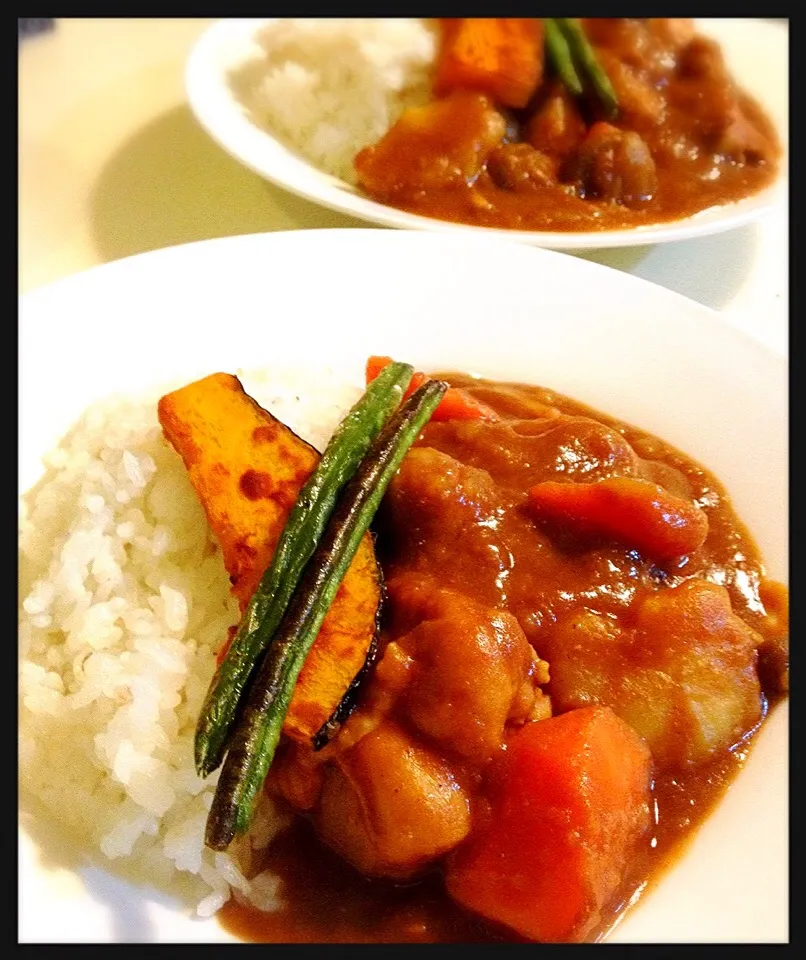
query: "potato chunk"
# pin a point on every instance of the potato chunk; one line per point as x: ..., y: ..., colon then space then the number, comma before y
x: 442, y: 144
x: 390, y: 805
x: 472, y: 671
x: 684, y: 677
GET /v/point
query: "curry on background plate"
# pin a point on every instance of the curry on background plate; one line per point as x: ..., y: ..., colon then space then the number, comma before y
x: 595, y: 124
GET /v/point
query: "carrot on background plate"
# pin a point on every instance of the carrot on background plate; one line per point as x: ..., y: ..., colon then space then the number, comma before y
x: 570, y: 801
x: 502, y: 57
x: 456, y: 404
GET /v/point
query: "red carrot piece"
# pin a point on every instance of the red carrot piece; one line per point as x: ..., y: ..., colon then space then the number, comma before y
x: 642, y: 515
x: 569, y: 800
x: 501, y: 57
x: 457, y: 404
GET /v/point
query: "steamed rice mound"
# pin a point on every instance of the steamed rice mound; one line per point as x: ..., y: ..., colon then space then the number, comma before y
x: 330, y: 87
x: 124, y: 603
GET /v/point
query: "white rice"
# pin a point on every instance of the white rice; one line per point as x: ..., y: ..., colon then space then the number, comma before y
x: 124, y: 603
x: 329, y: 87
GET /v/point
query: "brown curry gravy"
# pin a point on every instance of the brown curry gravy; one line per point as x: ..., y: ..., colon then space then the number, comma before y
x: 696, y: 170
x: 325, y: 900
x: 685, y: 188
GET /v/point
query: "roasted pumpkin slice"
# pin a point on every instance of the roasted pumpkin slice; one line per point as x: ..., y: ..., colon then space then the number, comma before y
x: 247, y: 469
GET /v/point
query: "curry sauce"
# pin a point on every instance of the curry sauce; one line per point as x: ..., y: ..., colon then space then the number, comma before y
x: 454, y: 521
x: 325, y: 900
x: 686, y: 138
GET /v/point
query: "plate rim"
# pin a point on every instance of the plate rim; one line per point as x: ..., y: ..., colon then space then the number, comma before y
x: 296, y: 235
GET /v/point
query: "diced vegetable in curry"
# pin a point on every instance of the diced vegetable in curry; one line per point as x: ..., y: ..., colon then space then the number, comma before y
x: 577, y: 642
x: 570, y: 125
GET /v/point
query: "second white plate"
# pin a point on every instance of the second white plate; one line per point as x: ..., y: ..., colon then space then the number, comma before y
x: 757, y: 52
x: 331, y: 298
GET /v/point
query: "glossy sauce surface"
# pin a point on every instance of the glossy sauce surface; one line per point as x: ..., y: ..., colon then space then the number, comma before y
x: 686, y: 188
x: 327, y: 900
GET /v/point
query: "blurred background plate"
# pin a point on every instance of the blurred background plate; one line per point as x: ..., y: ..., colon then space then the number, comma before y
x: 756, y: 52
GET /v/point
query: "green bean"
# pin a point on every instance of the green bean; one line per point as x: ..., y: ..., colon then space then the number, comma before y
x: 560, y: 55
x: 585, y: 55
x: 300, y: 535
x: 257, y: 733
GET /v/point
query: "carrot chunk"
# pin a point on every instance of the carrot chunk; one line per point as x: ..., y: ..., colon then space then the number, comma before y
x: 641, y: 514
x: 456, y: 404
x: 570, y: 800
x: 375, y: 365
x: 460, y: 405
x: 502, y: 57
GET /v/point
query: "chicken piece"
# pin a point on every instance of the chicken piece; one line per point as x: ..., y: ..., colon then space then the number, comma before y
x: 441, y: 514
x: 458, y: 673
x: 556, y: 127
x: 472, y: 672
x: 676, y: 32
x: 627, y: 37
x: 518, y: 452
x: 706, y: 91
x: 702, y: 59
x: 614, y: 165
x: 519, y: 167
x: 391, y: 805
x: 640, y: 57
x: 438, y: 485
x: 437, y: 146
x: 647, y: 44
x: 684, y: 677
x: 642, y: 105
x: 742, y: 140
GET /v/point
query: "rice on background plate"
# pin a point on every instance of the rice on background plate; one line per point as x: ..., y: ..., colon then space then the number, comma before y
x: 330, y: 87
x: 124, y: 602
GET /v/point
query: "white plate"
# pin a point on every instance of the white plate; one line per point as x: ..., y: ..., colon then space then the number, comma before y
x: 333, y: 297
x: 756, y: 51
